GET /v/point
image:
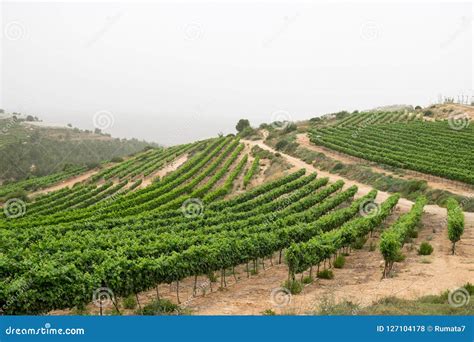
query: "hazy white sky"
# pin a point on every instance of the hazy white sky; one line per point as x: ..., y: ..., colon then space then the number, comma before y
x: 177, y: 72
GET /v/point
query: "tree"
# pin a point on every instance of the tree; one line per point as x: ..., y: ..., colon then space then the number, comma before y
x: 242, y: 124
x: 455, y: 221
x: 30, y: 118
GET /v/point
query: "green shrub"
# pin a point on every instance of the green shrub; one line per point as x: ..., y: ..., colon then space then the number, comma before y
x: 116, y: 160
x: 212, y: 277
x: 294, y: 286
x: 340, y: 261
x: 425, y: 248
x: 400, y: 257
x: 470, y: 288
x: 359, y: 242
x: 280, y: 145
x: 130, y: 302
x: 326, y: 274
x: 307, y: 280
x: 269, y: 312
x: 159, y: 307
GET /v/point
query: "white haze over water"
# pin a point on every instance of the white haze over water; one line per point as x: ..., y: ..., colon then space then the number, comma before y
x: 178, y: 72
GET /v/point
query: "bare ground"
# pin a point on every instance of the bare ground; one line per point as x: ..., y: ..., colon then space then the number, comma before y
x: 163, y: 171
x: 66, y: 183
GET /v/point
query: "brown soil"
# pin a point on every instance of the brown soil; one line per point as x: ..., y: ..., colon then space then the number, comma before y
x: 163, y: 171
x: 66, y: 183
x: 434, y: 182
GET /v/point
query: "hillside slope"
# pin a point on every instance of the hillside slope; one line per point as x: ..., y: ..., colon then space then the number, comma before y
x: 31, y: 150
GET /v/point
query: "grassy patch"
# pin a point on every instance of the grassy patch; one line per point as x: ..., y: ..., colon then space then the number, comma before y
x: 340, y: 261
x: 159, y: 307
x: 294, y: 286
x: 425, y: 248
x: 427, y: 305
x: 326, y: 274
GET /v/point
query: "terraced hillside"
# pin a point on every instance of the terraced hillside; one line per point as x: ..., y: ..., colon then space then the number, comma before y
x: 66, y: 244
x: 429, y: 147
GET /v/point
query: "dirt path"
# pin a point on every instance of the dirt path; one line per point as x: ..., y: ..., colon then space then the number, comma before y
x: 163, y: 171
x: 66, y: 183
x: 432, y: 181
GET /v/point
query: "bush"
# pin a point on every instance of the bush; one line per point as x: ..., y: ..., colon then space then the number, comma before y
x: 307, y: 280
x: 294, y: 286
x: 326, y: 274
x: 159, y: 307
x: 92, y: 165
x: 280, y: 145
x: 400, y: 257
x: 130, y: 302
x: 116, y: 160
x: 340, y: 261
x: 425, y: 248
x: 337, y: 167
x: 359, y: 242
x: 269, y: 312
x: 470, y: 288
